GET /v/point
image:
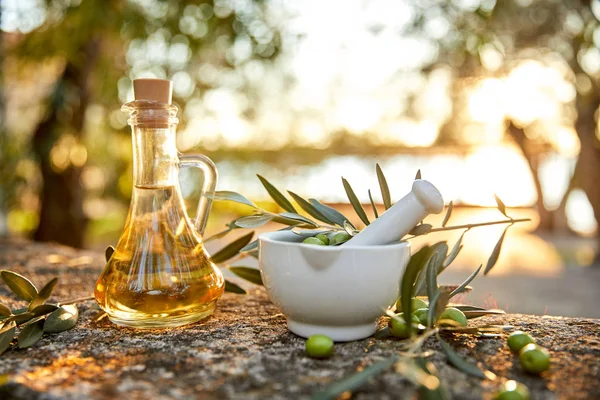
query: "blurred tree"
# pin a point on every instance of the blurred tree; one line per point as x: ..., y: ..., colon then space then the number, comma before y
x: 488, y: 38
x: 99, y: 43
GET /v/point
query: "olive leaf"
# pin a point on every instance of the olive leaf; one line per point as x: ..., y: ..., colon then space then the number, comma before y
x: 43, y: 295
x: 358, y: 208
x: 309, y: 208
x: 457, y: 361
x: 247, y: 273
x: 385, y: 190
x: 373, y: 205
x: 464, y: 307
x: 310, y: 232
x: 420, y: 229
x: 233, y: 288
x: 250, y: 246
x: 418, y: 175
x: 455, y: 250
x: 295, y: 218
x: 495, y: 253
x: 62, y: 319
x: 253, y: 221
x: 482, y: 313
x: 21, y: 318
x: 383, y: 333
x: 330, y: 213
x: 227, y: 195
x: 477, y: 329
x: 463, y: 286
x: 220, y: 235
x: 7, y: 333
x: 448, y: 213
x: 43, y: 309
x: 431, y: 273
x: 30, y: 334
x: 4, y: 311
x: 232, y: 248
x: 450, y: 288
x: 110, y: 250
x: 349, y: 228
x: 356, y: 380
x: 441, y: 249
x: 276, y: 195
x: 253, y: 253
x: 20, y: 286
x: 416, y: 264
x: 501, y: 206
x: 437, y: 305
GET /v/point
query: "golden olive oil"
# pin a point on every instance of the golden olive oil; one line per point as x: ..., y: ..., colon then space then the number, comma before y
x: 160, y: 274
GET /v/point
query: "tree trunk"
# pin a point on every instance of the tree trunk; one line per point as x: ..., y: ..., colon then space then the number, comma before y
x: 547, y: 217
x: 3, y: 149
x: 62, y: 218
x: 587, y: 169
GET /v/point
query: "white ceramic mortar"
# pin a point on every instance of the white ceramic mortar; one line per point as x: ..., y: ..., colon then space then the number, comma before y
x: 338, y: 291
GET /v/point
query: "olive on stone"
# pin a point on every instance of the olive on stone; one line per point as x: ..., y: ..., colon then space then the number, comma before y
x: 519, y: 339
x: 398, y: 327
x: 421, y: 314
x: 415, y: 304
x: 513, y: 390
x: 534, y: 358
x: 319, y: 346
x: 455, y: 315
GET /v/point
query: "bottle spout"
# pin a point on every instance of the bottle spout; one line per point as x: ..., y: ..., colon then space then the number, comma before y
x: 402, y: 217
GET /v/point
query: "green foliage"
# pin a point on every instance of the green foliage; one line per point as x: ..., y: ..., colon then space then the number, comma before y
x: 19, y: 285
x: 37, y: 318
x: 383, y: 186
x: 355, y: 202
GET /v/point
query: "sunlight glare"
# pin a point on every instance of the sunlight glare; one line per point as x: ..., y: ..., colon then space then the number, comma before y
x: 500, y: 170
x: 580, y: 215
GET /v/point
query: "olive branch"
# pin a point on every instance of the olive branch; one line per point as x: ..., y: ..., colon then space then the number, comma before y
x: 38, y: 318
x: 420, y: 279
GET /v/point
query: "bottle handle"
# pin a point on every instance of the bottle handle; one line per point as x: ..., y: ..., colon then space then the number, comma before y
x: 209, y: 171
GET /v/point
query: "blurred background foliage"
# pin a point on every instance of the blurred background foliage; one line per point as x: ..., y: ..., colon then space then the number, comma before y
x: 484, y: 96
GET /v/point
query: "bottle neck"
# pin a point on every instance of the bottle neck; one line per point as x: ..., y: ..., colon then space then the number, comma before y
x: 155, y: 161
x: 155, y: 156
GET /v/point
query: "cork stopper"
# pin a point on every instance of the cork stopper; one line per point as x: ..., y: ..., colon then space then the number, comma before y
x: 153, y: 90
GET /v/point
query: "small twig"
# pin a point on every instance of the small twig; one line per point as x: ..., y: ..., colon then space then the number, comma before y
x: 79, y: 300
x: 469, y: 226
x: 419, y: 342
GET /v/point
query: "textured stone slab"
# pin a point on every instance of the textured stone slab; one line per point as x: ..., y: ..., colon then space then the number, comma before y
x: 244, y: 351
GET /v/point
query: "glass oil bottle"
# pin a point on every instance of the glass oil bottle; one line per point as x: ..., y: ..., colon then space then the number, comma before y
x: 160, y: 275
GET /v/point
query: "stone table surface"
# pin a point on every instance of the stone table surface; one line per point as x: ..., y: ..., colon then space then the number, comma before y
x: 244, y: 351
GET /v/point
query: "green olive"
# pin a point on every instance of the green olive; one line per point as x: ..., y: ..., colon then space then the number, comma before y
x: 421, y: 314
x: 455, y: 315
x: 323, y: 238
x: 338, y: 238
x: 513, y: 390
x: 534, y: 358
x: 319, y: 346
x: 398, y: 328
x: 415, y: 304
x: 517, y: 340
x: 313, y: 240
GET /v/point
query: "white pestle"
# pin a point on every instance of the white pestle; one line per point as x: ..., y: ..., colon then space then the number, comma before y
x: 402, y: 217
